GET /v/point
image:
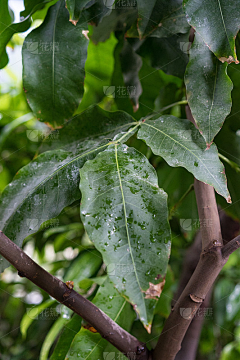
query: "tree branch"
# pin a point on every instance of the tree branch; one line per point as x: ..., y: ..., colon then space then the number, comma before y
x: 108, y: 329
x: 212, y: 259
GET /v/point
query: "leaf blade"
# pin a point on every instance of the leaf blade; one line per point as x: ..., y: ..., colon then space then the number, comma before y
x: 113, y: 223
x: 205, y: 78
x: 167, y: 132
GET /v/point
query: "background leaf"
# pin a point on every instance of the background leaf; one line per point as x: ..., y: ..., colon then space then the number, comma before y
x: 125, y: 214
x: 54, y: 56
x: 217, y: 22
x: 205, y: 79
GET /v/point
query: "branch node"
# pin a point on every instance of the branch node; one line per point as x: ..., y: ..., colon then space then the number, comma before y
x: 196, y: 298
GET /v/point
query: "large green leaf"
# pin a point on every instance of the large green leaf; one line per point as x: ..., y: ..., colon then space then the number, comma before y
x: 7, y: 29
x: 89, y: 345
x: 205, y: 79
x: 153, y: 13
x: 125, y: 214
x: 218, y: 23
x: 54, y: 57
x: 180, y: 144
x: 53, y: 177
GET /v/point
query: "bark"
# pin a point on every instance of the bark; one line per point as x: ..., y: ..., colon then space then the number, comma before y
x: 108, y: 329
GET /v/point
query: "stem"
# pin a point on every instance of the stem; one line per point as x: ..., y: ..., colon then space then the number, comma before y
x: 230, y: 162
x: 182, y: 102
x: 174, y: 208
x: 108, y: 329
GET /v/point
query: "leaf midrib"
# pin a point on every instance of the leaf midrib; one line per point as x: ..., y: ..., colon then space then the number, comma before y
x: 145, y: 123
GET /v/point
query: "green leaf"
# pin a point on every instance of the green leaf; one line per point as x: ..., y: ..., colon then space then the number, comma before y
x: 30, y: 4
x: 125, y: 214
x: 205, y: 79
x: 87, y: 343
x: 168, y: 54
x: 6, y: 131
x: 51, y: 336
x: 84, y: 266
x: 120, y: 19
x: 154, y: 13
x: 75, y: 8
x: 53, y: 177
x: 175, y: 23
x: 217, y: 22
x: 32, y: 314
x: 98, y: 75
x: 232, y: 305
x: 131, y: 63
x: 54, y: 57
x: 8, y: 29
x: 71, y: 328
x: 180, y: 144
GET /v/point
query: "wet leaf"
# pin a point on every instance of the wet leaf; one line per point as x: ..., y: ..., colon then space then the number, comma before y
x: 125, y: 214
x: 181, y: 144
x: 41, y: 189
x: 54, y: 57
x: 117, y: 308
x: 217, y: 22
x: 205, y: 79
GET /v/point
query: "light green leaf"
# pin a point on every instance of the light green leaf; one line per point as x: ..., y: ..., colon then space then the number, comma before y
x: 32, y: 314
x: 89, y: 345
x: 205, y: 79
x: 51, y: 336
x: 84, y: 266
x: 125, y: 214
x: 218, y: 23
x: 54, y: 57
x: 180, y: 144
x: 53, y: 177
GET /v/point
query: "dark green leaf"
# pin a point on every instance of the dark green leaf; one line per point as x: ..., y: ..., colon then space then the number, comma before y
x: 125, y: 214
x: 218, y: 23
x: 168, y: 54
x: 180, y: 144
x: 75, y: 8
x: 71, y: 328
x: 120, y: 19
x: 54, y: 57
x: 205, y: 79
x: 53, y: 177
x: 51, y: 336
x: 155, y: 13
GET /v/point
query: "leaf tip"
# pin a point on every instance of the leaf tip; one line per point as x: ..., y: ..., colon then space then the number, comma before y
x: 229, y: 200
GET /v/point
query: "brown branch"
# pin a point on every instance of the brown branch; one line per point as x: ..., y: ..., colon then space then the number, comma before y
x: 108, y: 329
x: 208, y: 214
x: 212, y: 260
x: 230, y: 229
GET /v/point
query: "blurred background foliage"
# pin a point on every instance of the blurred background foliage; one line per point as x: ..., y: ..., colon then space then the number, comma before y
x: 62, y: 247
